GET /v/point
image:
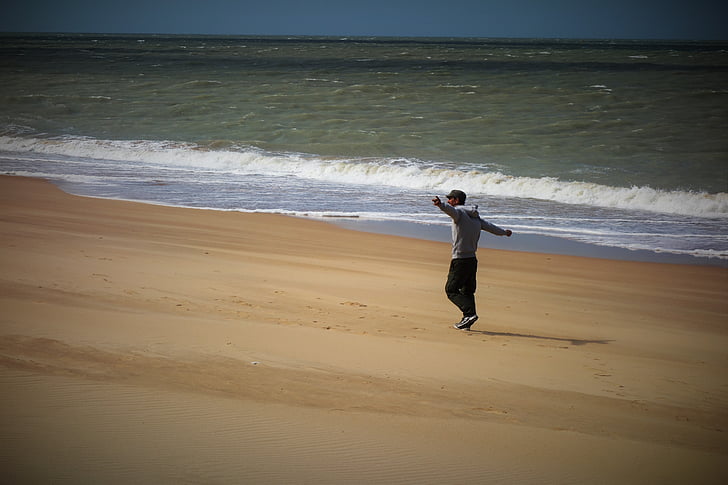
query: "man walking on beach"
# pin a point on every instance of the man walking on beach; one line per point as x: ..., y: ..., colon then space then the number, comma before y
x: 461, y: 279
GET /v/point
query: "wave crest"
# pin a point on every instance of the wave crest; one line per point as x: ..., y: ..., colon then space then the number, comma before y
x: 402, y: 174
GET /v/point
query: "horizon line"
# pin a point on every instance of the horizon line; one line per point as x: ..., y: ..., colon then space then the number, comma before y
x: 343, y: 37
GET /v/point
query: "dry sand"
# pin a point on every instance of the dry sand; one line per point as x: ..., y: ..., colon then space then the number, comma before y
x: 148, y: 344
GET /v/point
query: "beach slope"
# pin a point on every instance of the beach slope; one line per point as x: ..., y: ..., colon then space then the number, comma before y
x: 164, y: 345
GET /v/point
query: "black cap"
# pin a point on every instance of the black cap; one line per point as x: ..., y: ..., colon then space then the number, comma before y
x: 457, y: 194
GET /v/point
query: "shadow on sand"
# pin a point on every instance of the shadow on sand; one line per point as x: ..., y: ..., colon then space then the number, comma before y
x: 541, y: 337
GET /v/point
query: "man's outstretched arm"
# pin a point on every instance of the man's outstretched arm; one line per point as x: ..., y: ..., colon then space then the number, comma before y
x: 493, y: 229
x: 446, y: 208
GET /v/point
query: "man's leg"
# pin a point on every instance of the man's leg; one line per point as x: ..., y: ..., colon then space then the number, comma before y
x: 461, y: 284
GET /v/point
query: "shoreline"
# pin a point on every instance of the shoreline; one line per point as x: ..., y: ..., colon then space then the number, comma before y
x: 161, y: 345
x: 529, y: 243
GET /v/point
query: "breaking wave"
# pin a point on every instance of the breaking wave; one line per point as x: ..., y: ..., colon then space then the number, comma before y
x: 402, y: 174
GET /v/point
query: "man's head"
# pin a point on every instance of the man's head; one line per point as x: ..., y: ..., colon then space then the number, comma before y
x: 456, y: 197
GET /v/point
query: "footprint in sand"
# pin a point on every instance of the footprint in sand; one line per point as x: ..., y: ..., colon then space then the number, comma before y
x: 353, y: 303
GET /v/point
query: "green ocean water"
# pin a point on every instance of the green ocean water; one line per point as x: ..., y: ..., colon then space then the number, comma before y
x: 615, y: 113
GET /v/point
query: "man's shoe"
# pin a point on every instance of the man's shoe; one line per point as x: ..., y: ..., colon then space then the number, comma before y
x: 466, y: 322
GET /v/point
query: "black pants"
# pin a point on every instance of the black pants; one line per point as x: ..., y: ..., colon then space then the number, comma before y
x: 461, y: 282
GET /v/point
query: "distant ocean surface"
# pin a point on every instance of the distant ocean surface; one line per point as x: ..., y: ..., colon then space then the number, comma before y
x: 612, y: 143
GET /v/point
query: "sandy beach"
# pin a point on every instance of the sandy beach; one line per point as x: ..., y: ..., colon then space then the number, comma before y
x: 152, y: 344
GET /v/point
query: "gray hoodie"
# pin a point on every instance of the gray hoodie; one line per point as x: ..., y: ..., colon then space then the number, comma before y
x: 466, y: 227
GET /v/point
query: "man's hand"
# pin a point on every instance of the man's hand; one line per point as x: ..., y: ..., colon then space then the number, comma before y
x: 508, y: 233
x: 437, y: 201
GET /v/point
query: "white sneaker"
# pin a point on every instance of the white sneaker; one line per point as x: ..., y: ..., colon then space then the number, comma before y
x: 466, y: 322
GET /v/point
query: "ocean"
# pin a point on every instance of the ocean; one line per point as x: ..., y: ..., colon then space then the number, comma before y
x: 618, y: 144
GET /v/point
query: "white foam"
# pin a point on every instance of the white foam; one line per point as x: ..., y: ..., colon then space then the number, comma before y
x: 72, y: 178
x: 399, y: 173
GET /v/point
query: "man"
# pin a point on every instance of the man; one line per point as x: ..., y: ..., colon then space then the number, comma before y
x: 461, y: 279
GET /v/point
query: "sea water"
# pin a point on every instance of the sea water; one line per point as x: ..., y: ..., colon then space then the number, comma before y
x: 611, y: 143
